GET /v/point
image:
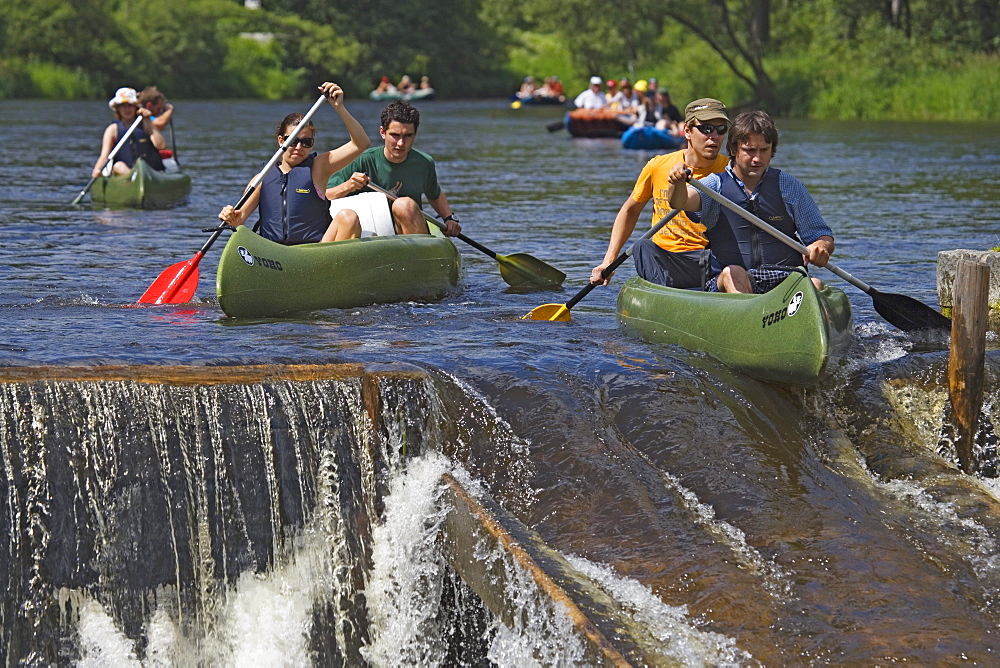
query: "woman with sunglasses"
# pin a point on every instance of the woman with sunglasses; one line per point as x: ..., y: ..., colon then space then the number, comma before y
x: 145, y: 141
x: 291, y: 196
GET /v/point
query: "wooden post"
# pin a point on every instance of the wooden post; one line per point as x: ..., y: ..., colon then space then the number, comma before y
x: 967, y: 355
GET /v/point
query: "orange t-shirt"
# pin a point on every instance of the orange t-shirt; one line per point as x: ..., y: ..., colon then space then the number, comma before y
x: 681, y: 233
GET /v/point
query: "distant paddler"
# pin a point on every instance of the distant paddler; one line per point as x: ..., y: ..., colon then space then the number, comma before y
x: 145, y: 141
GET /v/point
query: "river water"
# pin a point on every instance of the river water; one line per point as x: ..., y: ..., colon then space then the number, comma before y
x: 775, y: 525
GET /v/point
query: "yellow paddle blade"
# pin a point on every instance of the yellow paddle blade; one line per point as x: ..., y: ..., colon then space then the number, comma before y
x: 551, y: 312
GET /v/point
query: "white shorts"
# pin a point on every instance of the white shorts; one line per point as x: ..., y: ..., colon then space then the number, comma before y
x: 372, y: 209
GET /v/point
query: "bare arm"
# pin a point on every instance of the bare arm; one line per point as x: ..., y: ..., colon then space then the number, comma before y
x: 820, y: 251
x: 326, y: 164
x: 107, y: 143
x: 444, y: 210
x: 237, y: 217
x: 155, y: 136
x: 622, y: 229
x: 352, y: 185
x: 680, y: 195
x: 163, y: 119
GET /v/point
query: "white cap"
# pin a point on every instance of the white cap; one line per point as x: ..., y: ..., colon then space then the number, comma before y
x: 124, y: 96
x: 596, y: 80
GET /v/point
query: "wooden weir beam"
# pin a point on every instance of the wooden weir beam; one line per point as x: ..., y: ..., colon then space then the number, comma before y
x: 610, y: 635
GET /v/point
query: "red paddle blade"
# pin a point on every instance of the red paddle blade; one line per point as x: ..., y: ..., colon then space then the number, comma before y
x: 176, y: 285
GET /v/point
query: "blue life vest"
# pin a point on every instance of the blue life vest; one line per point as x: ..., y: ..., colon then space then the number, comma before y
x: 735, y: 240
x: 138, y: 146
x: 291, y: 211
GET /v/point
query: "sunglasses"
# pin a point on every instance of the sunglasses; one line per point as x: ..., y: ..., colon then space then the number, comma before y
x: 307, y: 142
x: 709, y: 129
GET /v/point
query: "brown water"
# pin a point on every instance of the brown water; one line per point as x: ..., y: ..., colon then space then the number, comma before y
x: 799, y: 526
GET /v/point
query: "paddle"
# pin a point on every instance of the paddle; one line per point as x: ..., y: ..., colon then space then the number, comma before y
x: 173, y: 141
x: 904, y: 312
x: 556, y: 127
x: 518, y: 270
x: 111, y: 156
x: 178, y: 282
x: 560, y: 312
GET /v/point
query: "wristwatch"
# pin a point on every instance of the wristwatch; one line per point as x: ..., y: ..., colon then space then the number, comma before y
x: 451, y: 216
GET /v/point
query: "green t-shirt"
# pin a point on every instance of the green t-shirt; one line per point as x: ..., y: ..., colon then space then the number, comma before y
x: 414, y: 177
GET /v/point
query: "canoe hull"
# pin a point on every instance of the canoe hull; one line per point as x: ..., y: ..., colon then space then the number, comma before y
x: 651, y: 139
x: 142, y: 188
x: 419, y: 94
x: 594, y: 123
x: 260, y: 278
x: 788, y: 335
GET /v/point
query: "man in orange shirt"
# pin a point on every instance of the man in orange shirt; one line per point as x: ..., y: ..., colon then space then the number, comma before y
x: 677, y: 255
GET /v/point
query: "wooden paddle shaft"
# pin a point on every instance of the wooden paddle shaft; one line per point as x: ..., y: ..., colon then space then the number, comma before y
x: 776, y: 233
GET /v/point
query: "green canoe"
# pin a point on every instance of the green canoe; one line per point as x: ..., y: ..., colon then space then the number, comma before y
x: 418, y: 94
x: 261, y: 278
x: 787, y: 335
x: 142, y: 188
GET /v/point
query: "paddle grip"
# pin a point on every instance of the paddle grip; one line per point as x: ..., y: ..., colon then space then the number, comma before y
x: 776, y: 233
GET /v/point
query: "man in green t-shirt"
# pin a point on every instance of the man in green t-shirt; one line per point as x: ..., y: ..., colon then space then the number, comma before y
x: 405, y: 172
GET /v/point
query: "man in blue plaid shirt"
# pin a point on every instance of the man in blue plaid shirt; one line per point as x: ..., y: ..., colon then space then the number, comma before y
x: 753, y: 260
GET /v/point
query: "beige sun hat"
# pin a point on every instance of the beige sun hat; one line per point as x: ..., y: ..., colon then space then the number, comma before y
x: 124, y: 96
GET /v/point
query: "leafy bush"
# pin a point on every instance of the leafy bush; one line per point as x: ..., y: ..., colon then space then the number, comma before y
x: 257, y: 63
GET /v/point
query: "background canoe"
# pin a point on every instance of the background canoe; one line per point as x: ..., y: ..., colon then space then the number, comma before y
x: 261, y: 278
x: 419, y: 94
x: 142, y: 188
x: 652, y: 139
x: 595, y: 123
x: 787, y: 335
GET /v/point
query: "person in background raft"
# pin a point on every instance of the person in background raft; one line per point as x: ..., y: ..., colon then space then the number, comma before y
x: 406, y: 85
x: 592, y: 98
x: 676, y: 256
x: 385, y: 86
x: 753, y: 260
x: 668, y: 117
x: 162, y: 111
x: 293, y: 208
x: 145, y: 141
x: 408, y: 174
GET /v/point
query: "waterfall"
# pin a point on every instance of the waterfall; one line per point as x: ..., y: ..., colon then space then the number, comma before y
x: 234, y: 516
x: 212, y: 522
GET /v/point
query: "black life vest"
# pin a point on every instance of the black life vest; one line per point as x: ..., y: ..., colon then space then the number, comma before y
x: 735, y: 240
x: 291, y: 211
x: 138, y: 146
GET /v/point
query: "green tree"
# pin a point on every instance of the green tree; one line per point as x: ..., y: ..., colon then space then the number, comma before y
x: 452, y: 41
x: 66, y: 34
